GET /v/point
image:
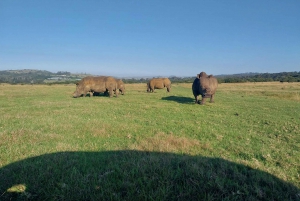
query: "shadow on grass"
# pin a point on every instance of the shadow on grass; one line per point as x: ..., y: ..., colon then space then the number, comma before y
x: 100, y: 94
x: 137, y: 175
x: 95, y: 94
x: 179, y: 99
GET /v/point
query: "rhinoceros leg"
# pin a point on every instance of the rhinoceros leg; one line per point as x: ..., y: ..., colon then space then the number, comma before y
x: 212, y: 99
x: 116, y: 92
x: 196, y: 96
x: 110, y: 92
x: 203, y: 100
x: 204, y: 97
x: 85, y: 92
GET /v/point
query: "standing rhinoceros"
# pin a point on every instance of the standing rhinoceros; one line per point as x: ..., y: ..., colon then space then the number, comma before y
x: 98, y: 84
x: 205, y: 86
x: 158, y: 83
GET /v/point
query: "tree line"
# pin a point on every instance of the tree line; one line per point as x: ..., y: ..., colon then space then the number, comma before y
x: 261, y: 77
x: 64, y: 77
x: 24, y: 76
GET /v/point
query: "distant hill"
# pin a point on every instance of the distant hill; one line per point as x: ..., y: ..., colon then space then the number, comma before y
x: 28, y: 76
x: 24, y: 76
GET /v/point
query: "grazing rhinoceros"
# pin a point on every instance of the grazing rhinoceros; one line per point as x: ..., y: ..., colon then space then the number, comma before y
x: 158, y: 83
x: 205, y: 86
x: 98, y: 84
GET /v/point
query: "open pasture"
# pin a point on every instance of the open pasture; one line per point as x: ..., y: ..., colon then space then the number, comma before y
x: 150, y: 146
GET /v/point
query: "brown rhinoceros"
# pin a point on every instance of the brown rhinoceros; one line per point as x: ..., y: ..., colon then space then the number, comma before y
x: 205, y: 86
x: 98, y: 84
x: 158, y: 83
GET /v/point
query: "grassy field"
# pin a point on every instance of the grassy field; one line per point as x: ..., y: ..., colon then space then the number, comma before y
x: 150, y: 146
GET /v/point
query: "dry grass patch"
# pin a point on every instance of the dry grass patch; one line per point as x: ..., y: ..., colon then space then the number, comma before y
x: 17, y: 137
x: 63, y: 146
x: 162, y: 142
x: 136, y: 86
x: 288, y: 91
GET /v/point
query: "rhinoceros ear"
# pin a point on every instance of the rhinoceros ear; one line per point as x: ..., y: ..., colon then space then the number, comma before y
x: 198, y: 76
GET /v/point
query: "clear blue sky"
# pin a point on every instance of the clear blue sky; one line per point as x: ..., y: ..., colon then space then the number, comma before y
x: 150, y: 37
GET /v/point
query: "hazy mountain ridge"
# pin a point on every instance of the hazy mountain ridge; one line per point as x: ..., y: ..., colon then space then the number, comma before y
x: 26, y: 76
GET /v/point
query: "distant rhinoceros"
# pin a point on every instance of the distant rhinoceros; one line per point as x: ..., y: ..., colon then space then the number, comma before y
x: 205, y: 86
x: 158, y: 83
x: 97, y: 84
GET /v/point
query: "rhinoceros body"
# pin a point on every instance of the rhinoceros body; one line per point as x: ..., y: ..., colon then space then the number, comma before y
x: 97, y: 84
x: 158, y: 83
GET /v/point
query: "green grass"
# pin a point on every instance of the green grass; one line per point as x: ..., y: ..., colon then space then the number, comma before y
x: 150, y: 146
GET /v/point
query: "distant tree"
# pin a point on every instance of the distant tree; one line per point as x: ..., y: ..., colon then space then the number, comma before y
x: 63, y: 73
